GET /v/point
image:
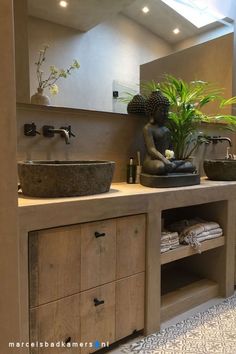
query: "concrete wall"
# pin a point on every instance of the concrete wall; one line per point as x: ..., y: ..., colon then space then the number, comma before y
x: 211, y: 61
x: 204, y: 37
x: 21, y: 51
x: 110, y: 51
x: 9, y: 294
x: 99, y: 135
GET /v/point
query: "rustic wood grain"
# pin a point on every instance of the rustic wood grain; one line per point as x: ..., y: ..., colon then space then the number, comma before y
x: 130, y: 305
x: 130, y: 245
x: 56, y: 322
x: 54, y: 264
x: 98, y: 322
x: 98, y: 254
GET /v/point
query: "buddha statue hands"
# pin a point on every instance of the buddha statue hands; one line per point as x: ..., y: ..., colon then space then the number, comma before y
x: 158, y: 139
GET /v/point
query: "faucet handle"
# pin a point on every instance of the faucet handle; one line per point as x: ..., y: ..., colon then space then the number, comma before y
x: 68, y: 128
x: 48, y: 131
x: 30, y: 129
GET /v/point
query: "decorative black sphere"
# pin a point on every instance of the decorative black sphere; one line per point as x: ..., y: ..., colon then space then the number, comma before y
x: 156, y: 99
x: 137, y: 105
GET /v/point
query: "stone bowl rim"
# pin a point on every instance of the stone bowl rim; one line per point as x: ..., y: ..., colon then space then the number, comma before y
x: 65, y: 163
x: 219, y: 160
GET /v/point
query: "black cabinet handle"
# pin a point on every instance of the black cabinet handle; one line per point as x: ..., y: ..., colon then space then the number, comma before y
x: 68, y: 340
x: 99, y: 234
x: 98, y: 302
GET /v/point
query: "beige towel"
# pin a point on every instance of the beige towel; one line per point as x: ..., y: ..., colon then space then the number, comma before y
x: 184, y: 225
x: 195, y: 241
x: 196, y: 230
x: 210, y: 236
x: 169, y: 240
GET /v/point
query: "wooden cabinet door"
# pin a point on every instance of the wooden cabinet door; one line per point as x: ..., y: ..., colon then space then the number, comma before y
x: 98, y: 253
x: 56, y: 322
x: 98, y: 316
x: 54, y: 264
x: 130, y: 305
x: 130, y: 245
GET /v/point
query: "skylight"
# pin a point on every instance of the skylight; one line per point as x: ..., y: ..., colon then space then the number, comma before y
x: 197, y: 12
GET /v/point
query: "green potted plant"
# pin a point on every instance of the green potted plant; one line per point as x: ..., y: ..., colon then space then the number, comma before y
x: 185, y: 115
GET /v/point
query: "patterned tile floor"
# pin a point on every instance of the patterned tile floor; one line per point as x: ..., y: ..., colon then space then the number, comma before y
x: 207, y: 329
x: 212, y: 330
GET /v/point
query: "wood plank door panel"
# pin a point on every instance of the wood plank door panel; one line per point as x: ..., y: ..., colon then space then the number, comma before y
x: 56, y: 322
x: 98, y: 316
x: 130, y: 305
x: 130, y: 245
x: 98, y: 253
x: 54, y: 264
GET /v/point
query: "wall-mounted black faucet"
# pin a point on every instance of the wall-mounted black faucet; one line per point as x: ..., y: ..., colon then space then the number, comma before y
x: 68, y: 128
x: 216, y: 139
x: 49, y: 131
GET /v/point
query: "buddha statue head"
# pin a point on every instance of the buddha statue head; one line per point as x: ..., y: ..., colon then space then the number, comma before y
x: 157, y: 108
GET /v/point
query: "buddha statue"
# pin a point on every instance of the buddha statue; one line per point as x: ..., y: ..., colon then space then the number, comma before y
x: 158, y: 139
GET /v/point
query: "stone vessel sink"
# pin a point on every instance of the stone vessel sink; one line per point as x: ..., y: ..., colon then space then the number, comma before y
x: 65, y: 178
x: 220, y: 169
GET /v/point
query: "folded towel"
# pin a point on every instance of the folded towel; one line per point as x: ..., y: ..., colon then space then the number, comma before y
x: 169, y: 241
x: 165, y: 249
x: 169, y: 248
x: 213, y: 232
x: 209, y: 237
x: 195, y: 242
x: 169, y: 236
x: 183, y: 225
x: 196, y: 230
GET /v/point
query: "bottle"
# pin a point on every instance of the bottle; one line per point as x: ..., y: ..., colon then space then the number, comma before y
x: 138, y: 168
x: 131, y: 168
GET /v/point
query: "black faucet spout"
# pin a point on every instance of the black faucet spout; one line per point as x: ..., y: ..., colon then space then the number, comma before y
x: 216, y: 139
x: 49, y: 131
x: 64, y: 133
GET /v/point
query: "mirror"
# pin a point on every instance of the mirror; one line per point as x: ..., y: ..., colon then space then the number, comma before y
x: 110, y: 41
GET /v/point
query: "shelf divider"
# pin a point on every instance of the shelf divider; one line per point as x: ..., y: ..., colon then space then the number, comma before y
x: 186, y: 251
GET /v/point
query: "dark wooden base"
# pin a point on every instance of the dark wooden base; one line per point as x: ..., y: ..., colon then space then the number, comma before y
x: 169, y: 180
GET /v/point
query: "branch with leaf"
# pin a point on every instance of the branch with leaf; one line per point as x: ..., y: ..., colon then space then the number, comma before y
x: 55, y: 73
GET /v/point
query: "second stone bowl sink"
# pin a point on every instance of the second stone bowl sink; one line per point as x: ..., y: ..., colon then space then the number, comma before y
x: 52, y: 179
x: 220, y: 169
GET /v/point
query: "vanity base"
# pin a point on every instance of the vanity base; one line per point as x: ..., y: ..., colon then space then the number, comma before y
x: 169, y: 180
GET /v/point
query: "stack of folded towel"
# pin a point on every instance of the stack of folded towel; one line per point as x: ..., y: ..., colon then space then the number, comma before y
x: 169, y: 241
x: 194, y: 231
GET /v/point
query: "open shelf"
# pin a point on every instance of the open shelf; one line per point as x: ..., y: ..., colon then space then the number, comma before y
x: 183, y: 288
x: 188, y: 278
x: 186, y: 251
x: 187, y: 297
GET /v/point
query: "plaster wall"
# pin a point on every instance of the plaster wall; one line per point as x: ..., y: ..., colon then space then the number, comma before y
x: 204, y: 37
x: 99, y: 135
x: 211, y: 61
x: 21, y: 51
x: 9, y: 294
x: 110, y: 51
